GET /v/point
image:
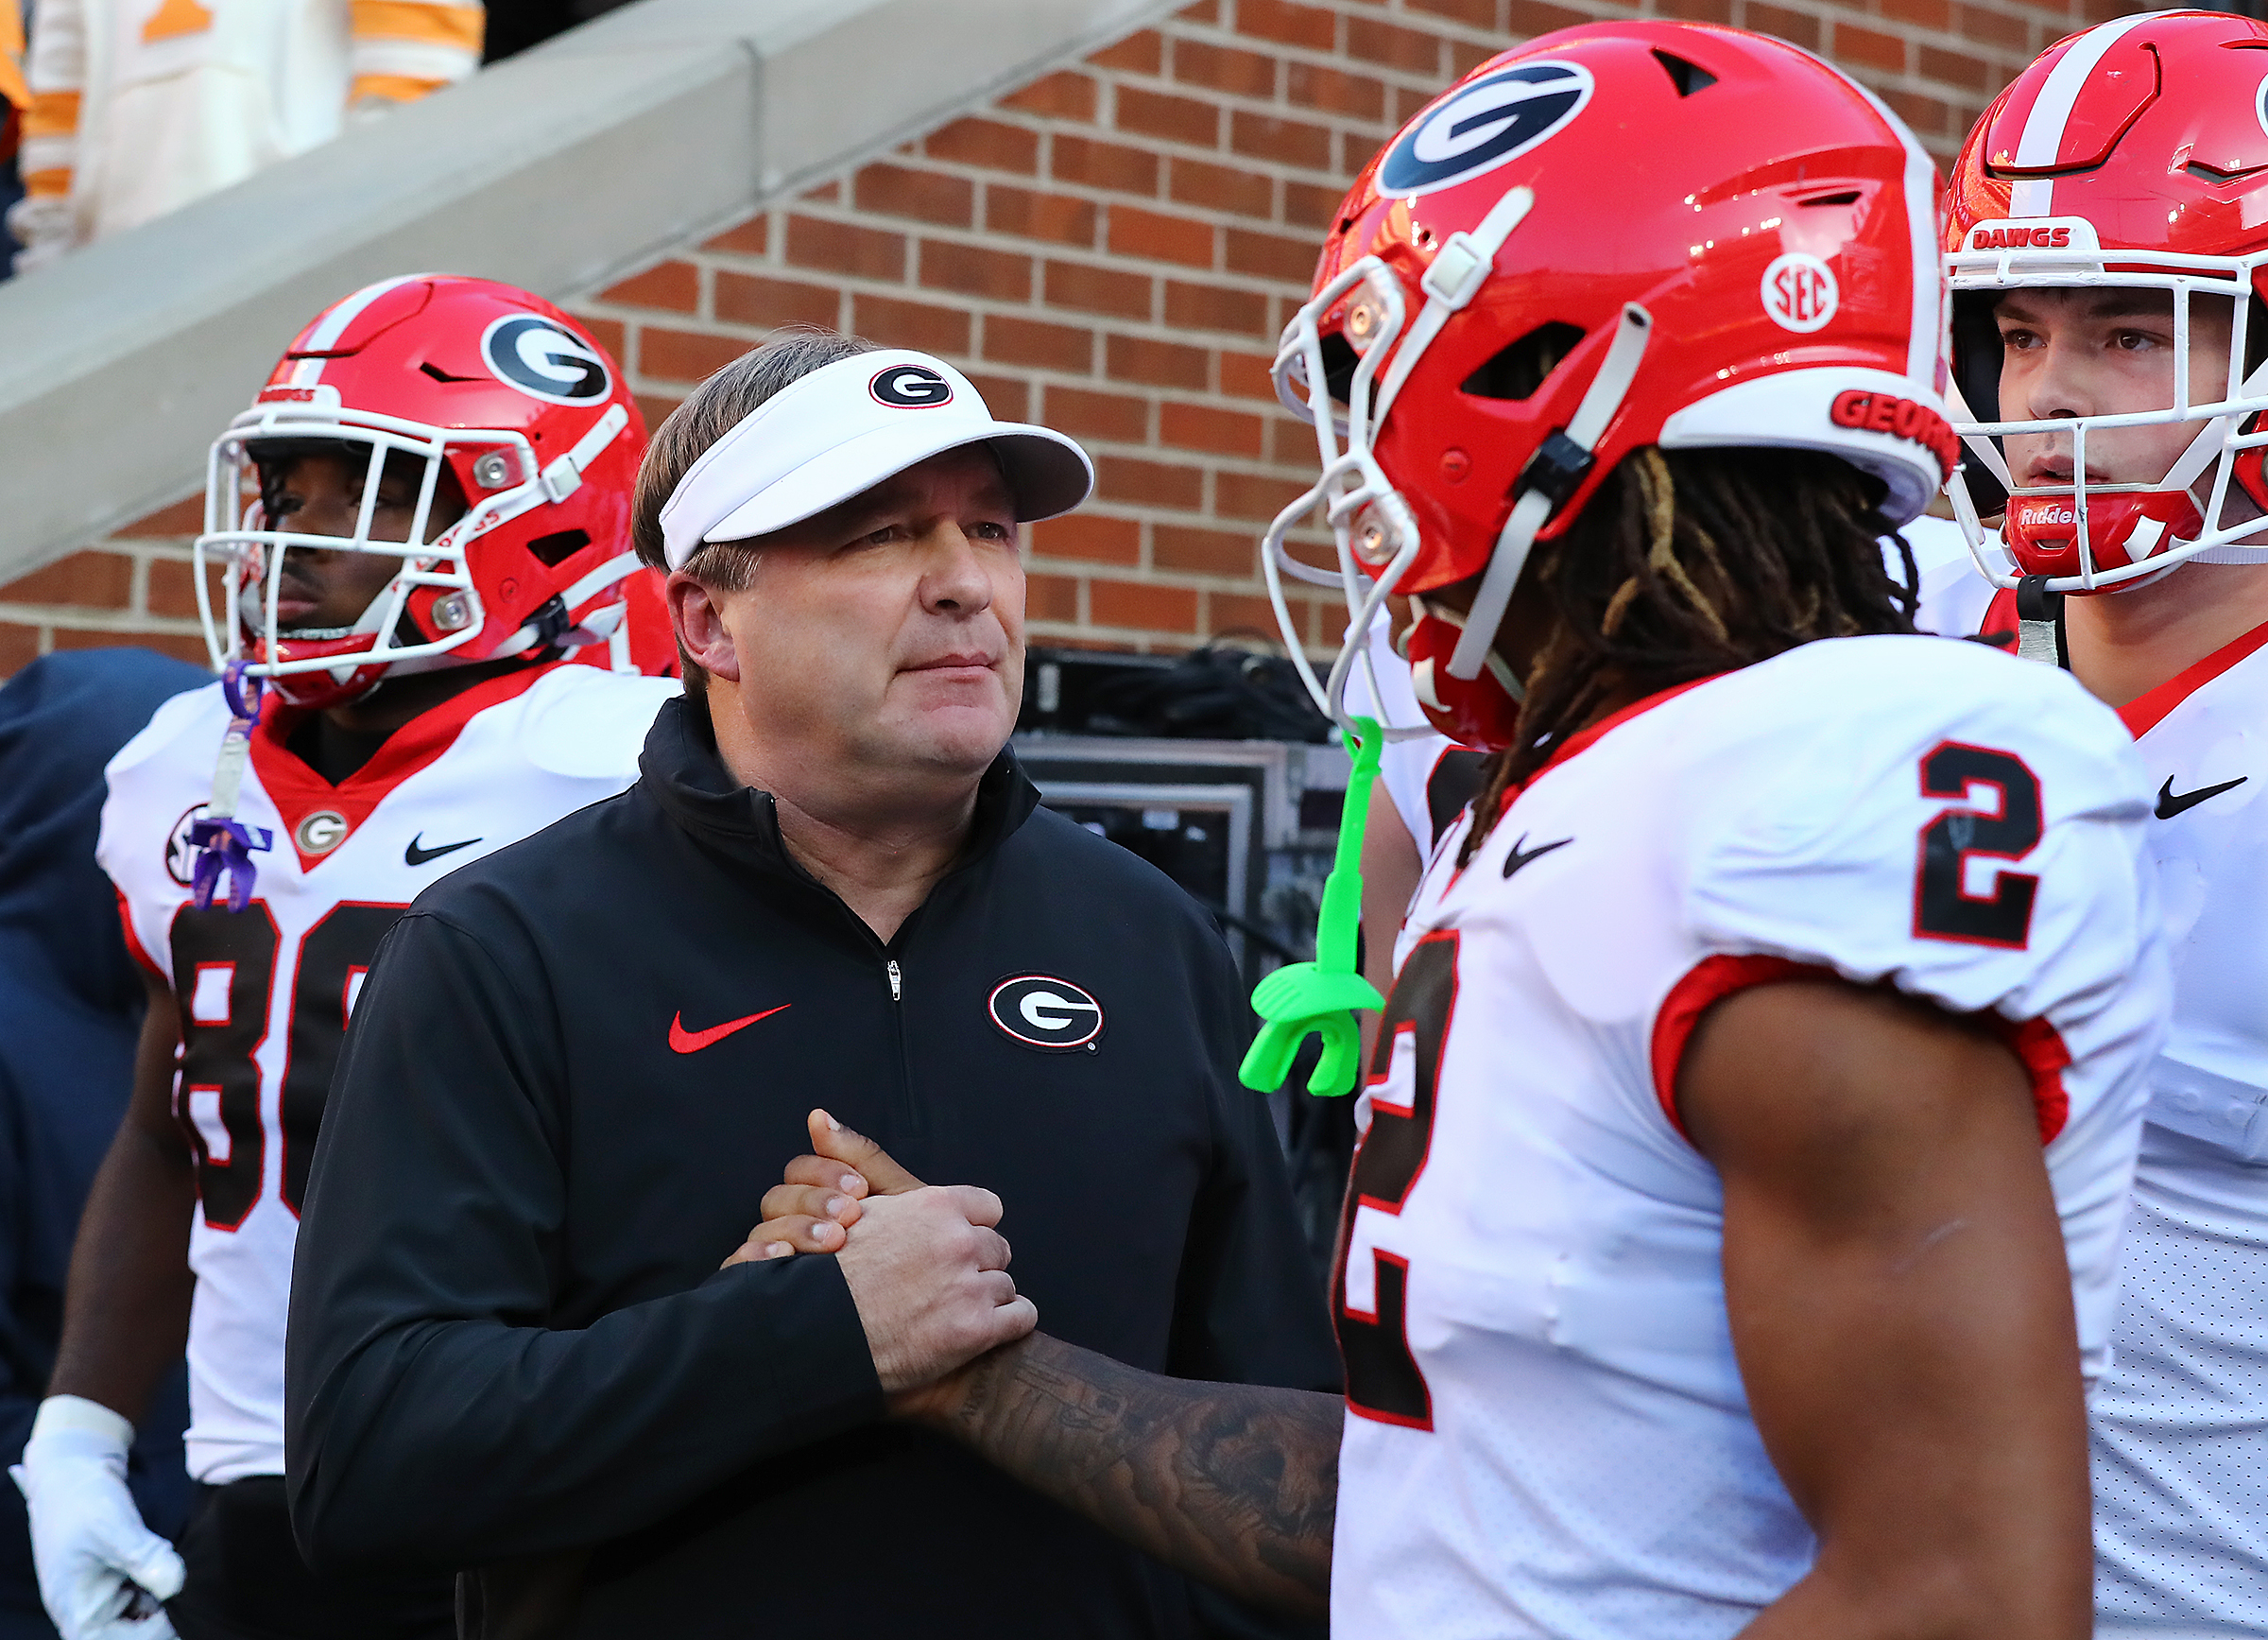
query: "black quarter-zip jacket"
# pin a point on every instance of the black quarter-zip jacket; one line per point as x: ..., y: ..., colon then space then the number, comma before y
x: 510, y: 1346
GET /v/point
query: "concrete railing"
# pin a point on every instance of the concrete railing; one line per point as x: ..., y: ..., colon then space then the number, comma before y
x: 554, y: 171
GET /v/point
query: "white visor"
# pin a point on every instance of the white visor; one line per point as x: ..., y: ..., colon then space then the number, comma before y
x: 843, y: 429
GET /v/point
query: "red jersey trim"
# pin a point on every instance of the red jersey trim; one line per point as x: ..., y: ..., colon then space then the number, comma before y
x: 1576, y: 746
x: 2150, y: 708
x: 2001, y: 619
x: 1583, y: 740
x: 2035, y: 1042
x: 1709, y: 982
x: 297, y: 791
x: 134, y: 941
x: 2041, y: 1046
x: 2147, y: 710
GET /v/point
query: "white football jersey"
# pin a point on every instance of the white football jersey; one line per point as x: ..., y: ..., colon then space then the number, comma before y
x: 1936, y: 542
x: 1431, y: 777
x: 2181, y: 1420
x: 2181, y: 1462
x: 1954, y: 598
x: 1549, y: 1432
x: 264, y: 994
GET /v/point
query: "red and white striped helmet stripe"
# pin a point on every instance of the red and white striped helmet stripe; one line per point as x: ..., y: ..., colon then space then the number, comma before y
x: 2050, y: 116
x: 328, y: 329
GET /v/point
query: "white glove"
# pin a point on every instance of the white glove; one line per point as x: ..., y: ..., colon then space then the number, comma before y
x: 101, y: 1570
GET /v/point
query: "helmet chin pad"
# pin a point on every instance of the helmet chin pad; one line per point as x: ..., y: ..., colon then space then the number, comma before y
x: 320, y: 691
x: 2248, y: 469
x: 1478, y: 712
x: 2042, y: 532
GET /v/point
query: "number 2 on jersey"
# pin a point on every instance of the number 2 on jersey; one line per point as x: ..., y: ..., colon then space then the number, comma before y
x: 225, y: 1022
x: 1384, y: 1380
x: 1943, y: 907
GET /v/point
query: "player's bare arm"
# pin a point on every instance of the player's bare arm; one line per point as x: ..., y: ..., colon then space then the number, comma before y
x: 1392, y: 864
x: 1235, y: 1484
x: 1901, y: 1309
x: 1231, y: 1483
x: 126, y: 1307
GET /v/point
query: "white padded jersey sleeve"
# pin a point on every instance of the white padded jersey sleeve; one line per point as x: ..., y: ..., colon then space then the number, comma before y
x: 1847, y: 861
x: 152, y: 783
x: 1954, y: 598
x: 591, y: 725
x: 1972, y: 831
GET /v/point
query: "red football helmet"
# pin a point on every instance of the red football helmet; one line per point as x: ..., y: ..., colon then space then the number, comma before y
x: 528, y: 414
x: 2134, y: 155
x: 1725, y: 241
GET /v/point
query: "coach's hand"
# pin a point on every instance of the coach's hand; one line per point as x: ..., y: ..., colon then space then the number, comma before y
x: 927, y: 1269
x: 930, y: 1277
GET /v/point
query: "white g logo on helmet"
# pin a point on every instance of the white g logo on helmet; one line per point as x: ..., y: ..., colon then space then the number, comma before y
x: 545, y: 360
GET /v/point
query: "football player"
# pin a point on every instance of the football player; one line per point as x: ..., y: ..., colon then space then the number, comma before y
x: 1747, y: 1136
x: 439, y: 476
x: 1429, y: 778
x: 2107, y: 245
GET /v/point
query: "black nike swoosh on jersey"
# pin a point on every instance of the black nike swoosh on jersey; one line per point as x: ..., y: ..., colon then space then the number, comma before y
x: 415, y: 854
x: 1521, y: 855
x: 2169, y: 805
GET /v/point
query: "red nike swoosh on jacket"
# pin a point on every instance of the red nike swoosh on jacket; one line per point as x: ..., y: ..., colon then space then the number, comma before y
x: 685, y: 1041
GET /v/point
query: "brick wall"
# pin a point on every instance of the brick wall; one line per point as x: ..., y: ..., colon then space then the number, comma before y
x: 1112, y: 250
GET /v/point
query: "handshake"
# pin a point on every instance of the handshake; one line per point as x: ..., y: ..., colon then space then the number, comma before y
x: 1233, y: 1484
x: 925, y: 1265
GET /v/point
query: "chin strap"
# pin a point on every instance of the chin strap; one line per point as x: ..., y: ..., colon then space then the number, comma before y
x: 1556, y: 470
x: 225, y: 843
x: 2038, y: 621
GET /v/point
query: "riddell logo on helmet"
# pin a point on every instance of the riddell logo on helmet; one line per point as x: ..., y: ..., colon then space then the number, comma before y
x: 1900, y: 419
x: 2033, y: 515
x: 2007, y: 238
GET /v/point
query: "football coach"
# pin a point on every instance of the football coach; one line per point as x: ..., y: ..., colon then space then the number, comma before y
x: 579, y: 1064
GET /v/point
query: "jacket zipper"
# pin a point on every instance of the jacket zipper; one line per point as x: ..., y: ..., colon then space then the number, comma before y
x: 909, y: 1114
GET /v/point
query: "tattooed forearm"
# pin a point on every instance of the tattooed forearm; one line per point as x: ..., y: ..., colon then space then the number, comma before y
x: 1231, y: 1483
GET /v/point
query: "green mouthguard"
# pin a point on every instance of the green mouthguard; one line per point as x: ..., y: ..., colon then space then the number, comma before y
x: 1322, y: 996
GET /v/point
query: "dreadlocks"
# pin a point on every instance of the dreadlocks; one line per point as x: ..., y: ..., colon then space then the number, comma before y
x: 1687, y: 563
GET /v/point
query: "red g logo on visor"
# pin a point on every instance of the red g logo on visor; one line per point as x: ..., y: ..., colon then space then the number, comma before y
x: 910, y: 387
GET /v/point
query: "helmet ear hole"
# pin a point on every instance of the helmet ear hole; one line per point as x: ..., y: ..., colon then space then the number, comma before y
x: 1517, y: 370
x: 1339, y: 363
x: 558, y: 547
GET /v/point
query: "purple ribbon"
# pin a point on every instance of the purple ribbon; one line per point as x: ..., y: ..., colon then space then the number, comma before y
x: 224, y: 843
x: 243, y: 691
x: 226, y: 846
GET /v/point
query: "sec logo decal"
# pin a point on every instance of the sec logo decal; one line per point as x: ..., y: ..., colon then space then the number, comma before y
x: 1042, y: 1011
x: 1799, y: 292
x: 1488, y: 123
